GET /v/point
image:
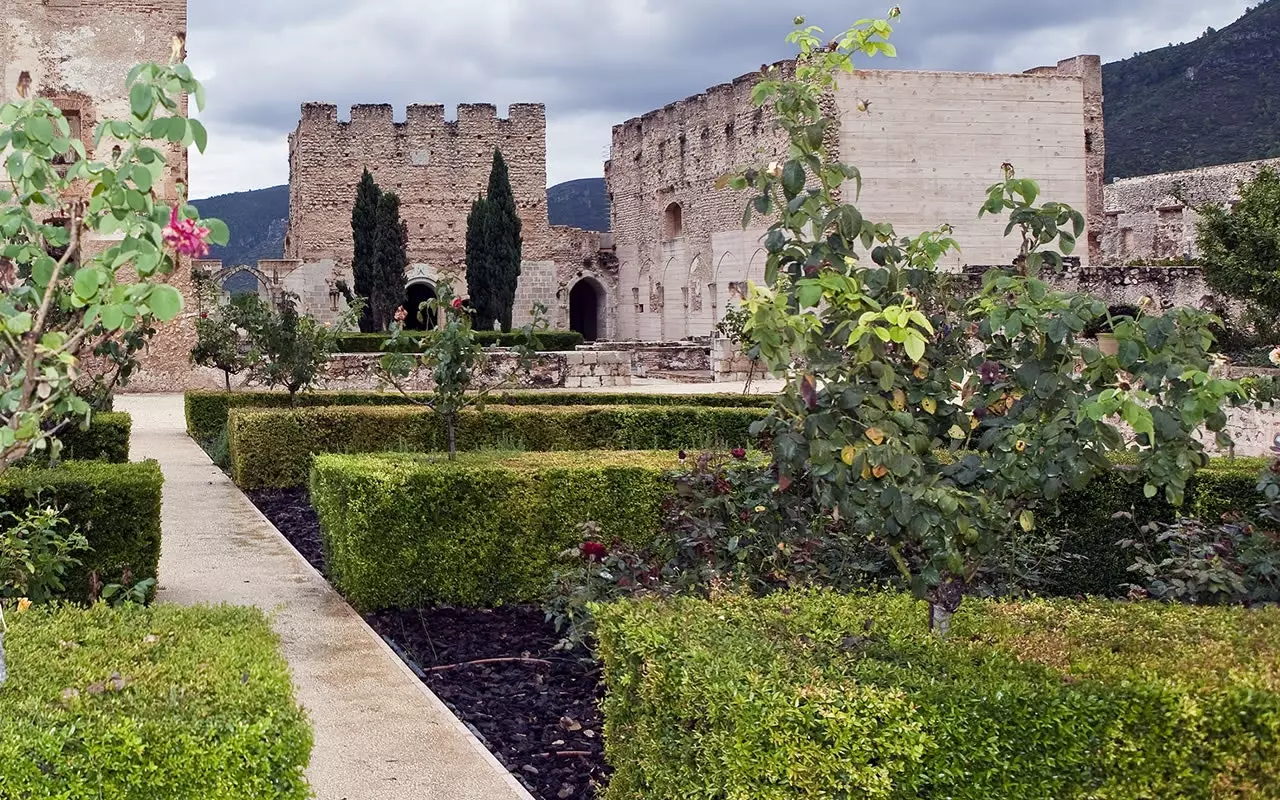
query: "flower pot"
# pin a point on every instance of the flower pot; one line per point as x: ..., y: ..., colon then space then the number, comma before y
x: 1108, y: 344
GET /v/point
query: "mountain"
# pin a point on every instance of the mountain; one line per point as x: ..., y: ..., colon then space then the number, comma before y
x: 258, y: 219
x: 583, y: 203
x: 1212, y: 101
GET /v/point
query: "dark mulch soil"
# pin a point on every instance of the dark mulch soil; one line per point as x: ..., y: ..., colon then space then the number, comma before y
x: 537, y: 711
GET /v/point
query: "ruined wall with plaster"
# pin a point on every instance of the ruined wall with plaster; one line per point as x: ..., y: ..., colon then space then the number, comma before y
x: 1153, y: 217
x: 928, y: 144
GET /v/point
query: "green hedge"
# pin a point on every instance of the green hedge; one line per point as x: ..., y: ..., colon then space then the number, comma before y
x: 400, y: 531
x: 207, y: 412
x: 116, y: 507
x: 106, y: 439
x: 273, y: 448
x: 205, y: 709
x: 822, y: 696
x: 1089, y: 516
x: 548, y: 341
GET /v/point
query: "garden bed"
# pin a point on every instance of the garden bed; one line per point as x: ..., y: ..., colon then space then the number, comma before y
x: 539, y: 715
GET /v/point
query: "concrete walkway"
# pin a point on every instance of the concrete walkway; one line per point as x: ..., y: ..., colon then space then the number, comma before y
x: 379, y: 733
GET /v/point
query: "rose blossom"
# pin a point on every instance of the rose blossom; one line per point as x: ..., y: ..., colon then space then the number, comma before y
x: 594, y: 551
x: 401, y: 315
x: 457, y: 303
x: 186, y: 237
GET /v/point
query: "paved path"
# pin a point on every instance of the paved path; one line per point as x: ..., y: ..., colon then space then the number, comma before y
x: 379, y: 733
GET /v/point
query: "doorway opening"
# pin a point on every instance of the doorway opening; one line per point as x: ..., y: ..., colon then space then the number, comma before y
x: 415, y: 294
x: 586, y: 302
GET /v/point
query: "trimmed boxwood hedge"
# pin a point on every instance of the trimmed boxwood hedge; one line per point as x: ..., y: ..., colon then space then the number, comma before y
x: 548, y: 341
x: 207, y: 412
x: 106, y: 439
x: 273, y: 448
x: 815, y: 695
x: 204, y: 707
x: 401, y: 530
x: 116, y: 507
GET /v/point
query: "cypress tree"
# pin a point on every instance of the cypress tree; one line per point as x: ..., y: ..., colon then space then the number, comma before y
x: 364, y: 225
x: 504, y: 241
x: 480, y: 266
x: 391, y: 260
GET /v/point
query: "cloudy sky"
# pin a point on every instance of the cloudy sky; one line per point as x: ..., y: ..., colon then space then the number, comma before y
x: 593, y: 63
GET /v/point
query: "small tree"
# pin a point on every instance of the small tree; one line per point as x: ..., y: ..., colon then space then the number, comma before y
x: 290, y: 349
x: 480, y: 264
x: 494, y: 250
x: 61, y: 300
x: 505, y: 241
x: 221, y: 337
x: 390, y: 260
x: 458, y: 363
x: 1240, y: 247
x: 364, y: 234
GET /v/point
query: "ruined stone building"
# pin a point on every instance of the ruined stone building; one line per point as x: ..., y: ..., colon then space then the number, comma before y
x: 928, y: 145
x: 437, y: 167
x: 78, y: 54
x: 1153, y: 218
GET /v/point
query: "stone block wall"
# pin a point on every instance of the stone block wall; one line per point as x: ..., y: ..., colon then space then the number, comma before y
x: 77, y: 54
x: 1153, y: 217
x: 581, y: 370
x: 437, y: 167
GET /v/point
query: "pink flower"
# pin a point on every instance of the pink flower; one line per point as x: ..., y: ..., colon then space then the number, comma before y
x: 457, y: 304
x: 186, y: 237
x: 401, y: 315
x: 739, y: 452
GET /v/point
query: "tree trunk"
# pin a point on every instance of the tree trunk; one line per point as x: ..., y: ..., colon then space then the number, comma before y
x: 227, y: 376
x: 944, y: 601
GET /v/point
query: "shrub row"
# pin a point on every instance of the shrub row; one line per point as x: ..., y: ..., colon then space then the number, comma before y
x: 548, y: 341
x: 403, y: 530
x: 204, y: 706
x: 207, y: 412
x: 273, y: 448
x: 106, y: 439
x: 116, y: 507
x: 817, y: 695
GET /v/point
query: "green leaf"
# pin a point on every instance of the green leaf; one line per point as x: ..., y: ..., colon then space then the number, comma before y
x: 218, y: 232
x: 165, y: 302
x: 112, y: 317
x: 19, y: 324
x: 141, y: 101
x: 199, y: 135
x: 40, y: 129
x: 793, y: 178
x: 87, y: 281
x: 915, y: 347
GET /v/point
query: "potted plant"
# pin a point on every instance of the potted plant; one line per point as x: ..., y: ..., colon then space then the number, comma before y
x: 1103, y: 328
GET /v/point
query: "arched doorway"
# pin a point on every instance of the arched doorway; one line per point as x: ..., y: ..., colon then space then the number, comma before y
x: 415, y: 294
x: 586, y: 301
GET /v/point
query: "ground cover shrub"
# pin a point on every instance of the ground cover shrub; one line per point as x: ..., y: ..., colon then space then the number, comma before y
x: 135, y: 702
x: 115, y: 506
x: 547, y: 341
x: 403, y: 530
x: 814, y: 694
x: 273, y: 448
x: 206, y: 412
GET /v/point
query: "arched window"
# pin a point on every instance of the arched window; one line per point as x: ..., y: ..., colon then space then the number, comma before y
x: 673, y: 222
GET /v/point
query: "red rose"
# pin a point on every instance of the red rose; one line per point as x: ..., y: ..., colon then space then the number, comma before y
x: 594, y: 551
x: 457, y: 303
x: 739, y: 452
x: 204, y: 315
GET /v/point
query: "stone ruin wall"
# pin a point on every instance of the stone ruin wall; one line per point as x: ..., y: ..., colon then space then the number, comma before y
x: 78, y: 54
x: 928, y: 148
x: 437, y: 167
x: 1153, y: 218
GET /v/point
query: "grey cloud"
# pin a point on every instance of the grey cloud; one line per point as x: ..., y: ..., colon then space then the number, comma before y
x: 611, y: 58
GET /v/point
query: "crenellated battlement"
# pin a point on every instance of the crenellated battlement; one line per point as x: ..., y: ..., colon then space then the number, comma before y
x: 471, y: 119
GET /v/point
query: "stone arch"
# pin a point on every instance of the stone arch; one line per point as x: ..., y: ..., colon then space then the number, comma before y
x: 672, y: 221
x: 588, y: 308
x: 671, y: 316
x: 419, y: 288
x: 264, y: 287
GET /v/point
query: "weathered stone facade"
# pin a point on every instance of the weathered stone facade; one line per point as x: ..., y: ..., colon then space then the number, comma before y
x: 77, y: 54
x: 1153, y: 218
x: 928, y: 146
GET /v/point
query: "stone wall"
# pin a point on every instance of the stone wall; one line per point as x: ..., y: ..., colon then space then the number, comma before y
x: 928, y: 146
x: 1153, y: 217
x: 579, y: 370
x: 437, y: 167
x: 77, y: 54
